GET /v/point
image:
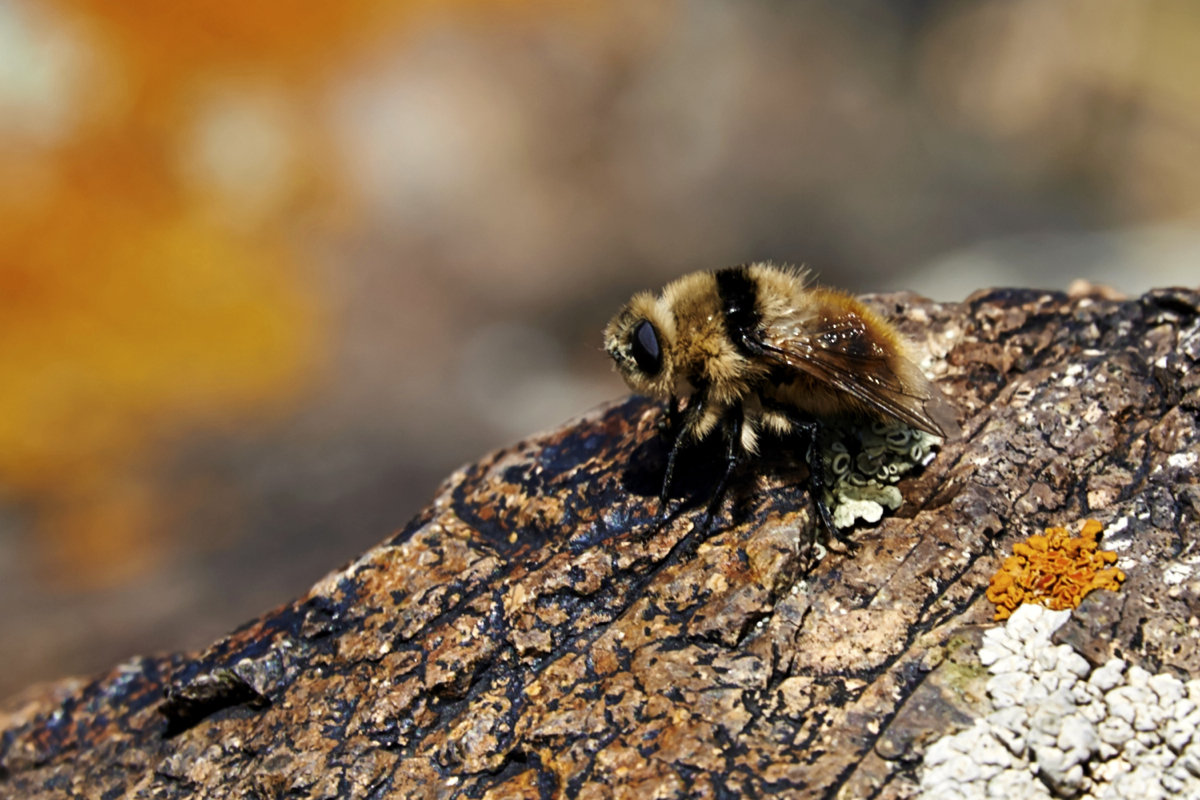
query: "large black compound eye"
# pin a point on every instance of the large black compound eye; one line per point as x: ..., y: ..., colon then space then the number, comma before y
x: 645, y: 349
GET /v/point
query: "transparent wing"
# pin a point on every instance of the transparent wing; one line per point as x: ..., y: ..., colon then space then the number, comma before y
x: 842, y: 351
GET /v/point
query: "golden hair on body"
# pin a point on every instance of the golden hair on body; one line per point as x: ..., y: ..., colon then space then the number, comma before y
x: 754, y: 348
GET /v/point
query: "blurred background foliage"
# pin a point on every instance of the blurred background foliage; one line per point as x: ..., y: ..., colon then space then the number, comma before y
x: 269, y: 271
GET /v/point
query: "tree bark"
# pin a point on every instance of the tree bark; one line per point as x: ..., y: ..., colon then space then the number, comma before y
x: 533, y: 634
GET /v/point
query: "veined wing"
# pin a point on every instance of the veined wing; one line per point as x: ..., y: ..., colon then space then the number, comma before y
x: 842, y: 352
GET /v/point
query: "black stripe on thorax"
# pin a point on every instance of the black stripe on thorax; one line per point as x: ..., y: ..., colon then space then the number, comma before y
x: 739, y: 304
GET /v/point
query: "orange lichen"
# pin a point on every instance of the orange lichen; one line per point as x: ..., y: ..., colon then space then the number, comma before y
x: 1054, y: 570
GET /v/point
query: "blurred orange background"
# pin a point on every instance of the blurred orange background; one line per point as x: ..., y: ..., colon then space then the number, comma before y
x: 269, y: 271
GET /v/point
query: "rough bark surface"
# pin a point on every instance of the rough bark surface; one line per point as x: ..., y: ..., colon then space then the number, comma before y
x: 530, y: 634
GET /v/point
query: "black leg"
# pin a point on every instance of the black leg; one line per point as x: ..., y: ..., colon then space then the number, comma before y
x: 669, y: 424
x: 673, y: 413
x: 731, y: 427
x: 665, y: 492
x: 816, y: 480
x: 816, y: 477
x: 679, y: 428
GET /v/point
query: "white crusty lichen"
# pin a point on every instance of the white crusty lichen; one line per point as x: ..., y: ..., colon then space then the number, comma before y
x: 863, y: 466
x: 1063, y: 729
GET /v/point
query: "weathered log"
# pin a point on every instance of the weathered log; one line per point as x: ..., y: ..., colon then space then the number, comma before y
x: 531, y: 633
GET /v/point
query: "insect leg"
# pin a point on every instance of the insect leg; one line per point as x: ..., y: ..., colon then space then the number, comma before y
x: 678, y: 433
x: 816, y: 485
x: 816, y: 478
x: 811, y: 428
x: 731, y: 427
x: 670, y: 422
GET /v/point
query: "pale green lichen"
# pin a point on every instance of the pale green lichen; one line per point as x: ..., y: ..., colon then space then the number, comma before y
x: 863, y: 464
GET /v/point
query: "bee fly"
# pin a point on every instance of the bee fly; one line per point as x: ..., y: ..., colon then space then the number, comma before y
x: 754, y: 350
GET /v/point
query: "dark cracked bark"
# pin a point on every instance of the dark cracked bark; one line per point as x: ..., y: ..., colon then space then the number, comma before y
x: 530, y: 634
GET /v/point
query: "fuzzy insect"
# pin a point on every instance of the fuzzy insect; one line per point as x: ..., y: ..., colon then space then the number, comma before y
x: 755, y: 349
